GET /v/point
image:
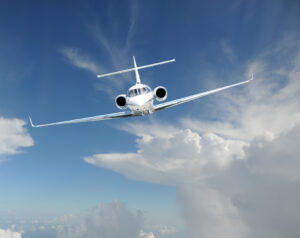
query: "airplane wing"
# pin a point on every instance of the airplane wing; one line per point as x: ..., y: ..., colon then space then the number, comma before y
x: 195, y: 96
x: 87, y: 119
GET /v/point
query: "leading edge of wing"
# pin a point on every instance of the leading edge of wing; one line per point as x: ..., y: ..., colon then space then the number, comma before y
x: 88, y: 119
x: 195, y: 96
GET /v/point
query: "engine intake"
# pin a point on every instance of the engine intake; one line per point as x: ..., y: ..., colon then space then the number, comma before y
x: 121, y: 101
x: 160, y: 93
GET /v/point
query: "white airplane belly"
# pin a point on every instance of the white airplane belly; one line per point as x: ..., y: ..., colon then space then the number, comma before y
x: 143, y: 109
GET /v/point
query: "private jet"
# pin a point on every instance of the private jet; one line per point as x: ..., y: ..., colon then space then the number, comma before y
x: 140, y: 98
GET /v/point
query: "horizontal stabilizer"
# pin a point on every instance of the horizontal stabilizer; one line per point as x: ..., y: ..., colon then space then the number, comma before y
x: 132, y: 69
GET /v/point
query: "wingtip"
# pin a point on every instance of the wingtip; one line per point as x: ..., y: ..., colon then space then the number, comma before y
x: 32, y: 125
x: 134, y: 61
x: 251, y: 77
x: 249, y: 80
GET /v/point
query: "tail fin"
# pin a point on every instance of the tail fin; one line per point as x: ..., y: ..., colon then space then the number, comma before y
x: 137, y: 76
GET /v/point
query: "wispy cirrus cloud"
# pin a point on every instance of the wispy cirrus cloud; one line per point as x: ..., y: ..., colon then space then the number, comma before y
x: 79, y: 60
x: 117, y: 47
x: 119, y: 51
x: 227, y: 50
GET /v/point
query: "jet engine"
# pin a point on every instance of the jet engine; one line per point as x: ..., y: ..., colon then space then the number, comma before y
x: 160, y: 93
x: 121, y: 101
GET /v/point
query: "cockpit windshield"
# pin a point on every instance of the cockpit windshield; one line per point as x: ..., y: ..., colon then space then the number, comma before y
x: 138, y: 91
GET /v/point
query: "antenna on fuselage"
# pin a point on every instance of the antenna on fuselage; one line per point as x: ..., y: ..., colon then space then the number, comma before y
x: 136, y: 68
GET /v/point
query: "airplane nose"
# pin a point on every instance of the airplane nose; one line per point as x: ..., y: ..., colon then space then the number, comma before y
x: 143, y: 101
x: 140, y: 103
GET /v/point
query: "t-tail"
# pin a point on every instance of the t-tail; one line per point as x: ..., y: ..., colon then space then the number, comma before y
x: 136, y: 68
x: 137, y: 76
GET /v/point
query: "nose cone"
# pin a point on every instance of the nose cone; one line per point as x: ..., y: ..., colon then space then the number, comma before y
x: 140, y: 101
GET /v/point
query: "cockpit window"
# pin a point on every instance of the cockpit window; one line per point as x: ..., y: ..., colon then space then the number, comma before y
x: 145, y: 90
x: 138, y: 91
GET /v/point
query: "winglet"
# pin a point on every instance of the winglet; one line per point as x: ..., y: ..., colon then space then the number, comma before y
x: 137, y: 76
x: 32, y: 125
x: 251, y: 77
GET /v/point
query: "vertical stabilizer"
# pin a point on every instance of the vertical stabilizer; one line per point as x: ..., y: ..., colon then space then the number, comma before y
x: 137, y: 76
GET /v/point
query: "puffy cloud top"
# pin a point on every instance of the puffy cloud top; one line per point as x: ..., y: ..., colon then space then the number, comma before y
x: 13, y: 136
x: 106, y: 221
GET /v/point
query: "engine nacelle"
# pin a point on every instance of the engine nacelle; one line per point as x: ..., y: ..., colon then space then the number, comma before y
x: 121, y: 101
x: 160, y: 93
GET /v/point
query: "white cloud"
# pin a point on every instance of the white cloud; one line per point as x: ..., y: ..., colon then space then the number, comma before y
x: 165, y: 230
x: 9, y: 234
x: 13, y: 136
x: 236, y: 177
x: 146, y: 235
x: 85, y: 62
x: 269, y: 107
x: 168, y: 157
x: 80, y: 61
x: 106, y: 221
x: 209, y: 213
x: 118, y: 48
x: 278, y: 157
x: 184, y: 159
x: 117, y: 51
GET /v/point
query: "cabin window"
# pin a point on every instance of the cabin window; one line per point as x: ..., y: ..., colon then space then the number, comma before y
x: 146, y: 90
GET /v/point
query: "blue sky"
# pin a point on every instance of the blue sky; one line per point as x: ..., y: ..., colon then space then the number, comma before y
x: 50, y: 53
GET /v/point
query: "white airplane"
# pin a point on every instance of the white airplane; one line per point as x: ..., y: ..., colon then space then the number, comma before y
x: 139, y: 98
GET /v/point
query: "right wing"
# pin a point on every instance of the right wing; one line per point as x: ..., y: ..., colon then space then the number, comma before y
x: 195, y: 96
x: 87, y: 119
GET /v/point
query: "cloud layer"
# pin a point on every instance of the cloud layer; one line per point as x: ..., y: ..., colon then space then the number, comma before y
x: 9, y: 234
x: 106, y: 221
x: 236, y: 177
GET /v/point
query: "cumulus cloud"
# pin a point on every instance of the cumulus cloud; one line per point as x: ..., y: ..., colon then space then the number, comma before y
x: 13, y: 136
x: 278, y: 157
x: 106, y: 221
x: 184, y: 159
x: 167, y: 158
x: 236, y: 177
x: 9, y: 234
x: 167, y: 230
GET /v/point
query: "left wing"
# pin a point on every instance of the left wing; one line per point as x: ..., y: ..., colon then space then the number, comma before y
x: 87, y: 119
x: 195, y: 96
